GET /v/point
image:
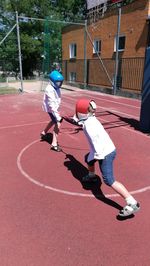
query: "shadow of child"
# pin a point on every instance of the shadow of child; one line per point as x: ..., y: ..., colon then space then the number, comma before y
x: 47, y: 138
x: 78, y: 170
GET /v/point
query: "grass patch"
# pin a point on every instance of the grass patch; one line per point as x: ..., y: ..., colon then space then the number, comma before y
x: 8, y: 90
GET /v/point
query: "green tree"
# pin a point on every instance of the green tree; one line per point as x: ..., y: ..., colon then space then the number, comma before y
x: 8, y: 47
x: 32, y: 32
x: 71, y: 10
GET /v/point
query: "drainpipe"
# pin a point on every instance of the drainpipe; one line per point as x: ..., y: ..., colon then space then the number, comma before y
x: 85, y: 55
x: 117, y: 48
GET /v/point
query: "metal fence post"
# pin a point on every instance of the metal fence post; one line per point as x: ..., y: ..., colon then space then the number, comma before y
x: 19, y: 50
x: 85, y: 55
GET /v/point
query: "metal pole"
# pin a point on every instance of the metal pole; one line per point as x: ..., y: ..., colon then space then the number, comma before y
x: 85, y: 55
x: 52, y: 20
x: 19, y: 50
x: 117, y: 48
x: 7, y: 34
x: 101, y: 61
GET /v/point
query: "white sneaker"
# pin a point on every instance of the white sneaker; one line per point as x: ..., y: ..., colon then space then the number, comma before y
x: 129, y: 209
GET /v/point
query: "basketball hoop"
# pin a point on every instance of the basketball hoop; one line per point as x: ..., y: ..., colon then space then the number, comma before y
x: 116, y: 1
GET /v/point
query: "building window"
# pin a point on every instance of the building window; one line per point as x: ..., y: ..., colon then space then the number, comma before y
x: 73, y: 50
x: 121, y: 45
x: 72, y: 76
x: 96, y: 46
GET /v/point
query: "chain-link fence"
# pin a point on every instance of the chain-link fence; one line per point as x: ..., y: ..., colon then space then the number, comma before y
x: 29, y: 49
x: 130, y: 73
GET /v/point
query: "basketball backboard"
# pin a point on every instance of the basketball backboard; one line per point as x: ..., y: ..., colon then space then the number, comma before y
x: 95, y: 3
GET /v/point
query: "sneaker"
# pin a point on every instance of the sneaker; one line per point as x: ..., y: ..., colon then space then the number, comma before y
x: 88, y: 178
x: 129, y: 209
x: 56, y: 148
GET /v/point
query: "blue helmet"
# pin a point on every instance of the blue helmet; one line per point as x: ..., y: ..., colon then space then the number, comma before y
x: 56, y: 78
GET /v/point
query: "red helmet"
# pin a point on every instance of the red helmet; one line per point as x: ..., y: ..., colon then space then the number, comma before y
x: 83, y: 108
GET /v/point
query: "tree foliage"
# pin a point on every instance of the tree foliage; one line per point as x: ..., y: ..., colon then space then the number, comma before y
x: 33, y: 33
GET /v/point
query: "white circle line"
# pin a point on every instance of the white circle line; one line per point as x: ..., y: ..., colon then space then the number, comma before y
x: 27, y: 176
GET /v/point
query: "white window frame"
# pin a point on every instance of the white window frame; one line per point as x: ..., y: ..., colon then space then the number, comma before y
x: 96, y: 46
x: 119, y: 50
x: 72, y: 50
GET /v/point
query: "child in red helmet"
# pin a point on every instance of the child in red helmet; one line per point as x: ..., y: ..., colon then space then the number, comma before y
x: 102, y: 149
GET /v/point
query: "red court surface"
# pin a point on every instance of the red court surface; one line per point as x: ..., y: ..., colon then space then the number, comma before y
x: 48, y: 217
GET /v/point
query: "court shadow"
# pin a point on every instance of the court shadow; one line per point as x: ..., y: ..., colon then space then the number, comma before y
x: 128, y: 121
x: 78, y: 170
x: 131, y: 122
x: 120, y: 121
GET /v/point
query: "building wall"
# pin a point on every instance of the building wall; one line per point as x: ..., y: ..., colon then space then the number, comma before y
x: 133, y: 26
x: 73, y: 34
x: 149, y: 8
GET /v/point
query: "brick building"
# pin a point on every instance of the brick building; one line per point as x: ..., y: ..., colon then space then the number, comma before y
x: 89, y: 57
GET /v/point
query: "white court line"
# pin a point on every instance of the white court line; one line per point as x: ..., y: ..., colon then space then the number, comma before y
x: 118, y: 112
x: 115, y: 111
x: 131, y: 116
x: 111, y: 101
x: 34, y: 181
x: 23, y: 125
x: 36, y: 123
x: 70, y: 107
x: 126, y: 128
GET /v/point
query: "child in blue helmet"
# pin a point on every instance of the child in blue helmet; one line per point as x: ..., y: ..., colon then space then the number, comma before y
x: 51, y: 104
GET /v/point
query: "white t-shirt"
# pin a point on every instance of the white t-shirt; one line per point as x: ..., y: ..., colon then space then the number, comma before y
x: 52, y: 100
x: 99, y: 140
